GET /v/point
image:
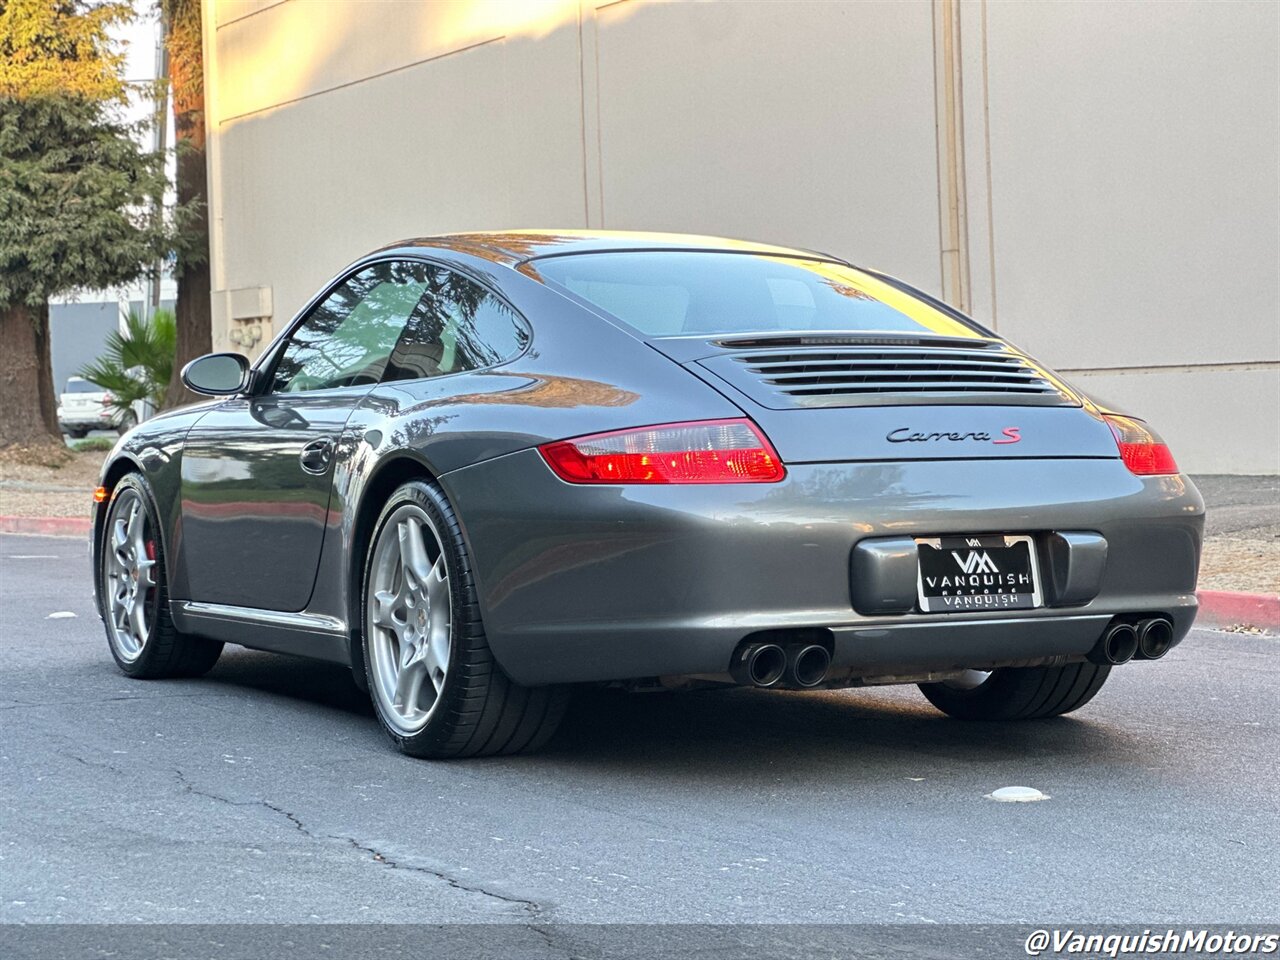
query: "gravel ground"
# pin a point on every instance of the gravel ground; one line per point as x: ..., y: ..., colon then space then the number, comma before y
x: 80, y: 473
x: 34, y: 491
x: 1242, y: 545
x: 1241, y: 551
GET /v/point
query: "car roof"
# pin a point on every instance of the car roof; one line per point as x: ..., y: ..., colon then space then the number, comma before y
x: 518, y: 246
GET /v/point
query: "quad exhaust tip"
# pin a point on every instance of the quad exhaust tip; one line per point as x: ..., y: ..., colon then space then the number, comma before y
x: 1146, y: 638
x: 807, y: 665
x: 761, y: 665
x: 802, y: 665
x: 1155, y: 638
x: 1118, y: 645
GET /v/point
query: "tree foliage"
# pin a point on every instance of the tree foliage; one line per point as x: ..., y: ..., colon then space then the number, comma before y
x: 74, y: 181
x: 61, y: 48
x: 74, y: 188
x: 75, y: 185
x: 138, y: 363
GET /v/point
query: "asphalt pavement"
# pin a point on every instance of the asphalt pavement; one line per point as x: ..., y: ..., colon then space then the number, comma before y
x: 265, y: 792
x: 1240, y: 505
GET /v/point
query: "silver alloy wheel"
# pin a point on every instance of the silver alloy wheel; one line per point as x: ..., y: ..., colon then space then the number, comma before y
x: 409, y: 620
x: 968, y: 680
x: 128, y: 568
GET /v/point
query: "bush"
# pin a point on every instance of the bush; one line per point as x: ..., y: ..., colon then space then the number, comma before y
x: 93, y: 443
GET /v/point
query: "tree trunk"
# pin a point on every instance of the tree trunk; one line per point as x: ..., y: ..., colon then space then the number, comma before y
x: 194, y: 318
x: 28, y: 404
x: 193, y: 310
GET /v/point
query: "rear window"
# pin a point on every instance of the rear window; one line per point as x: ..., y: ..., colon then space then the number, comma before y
x: 681, y: 293
x: 82, y: 386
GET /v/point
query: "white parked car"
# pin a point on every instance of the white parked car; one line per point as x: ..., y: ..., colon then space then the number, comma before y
x: 85, y: 406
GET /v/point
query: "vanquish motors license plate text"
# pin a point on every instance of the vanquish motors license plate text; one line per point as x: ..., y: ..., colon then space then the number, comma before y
x: 959, y: 574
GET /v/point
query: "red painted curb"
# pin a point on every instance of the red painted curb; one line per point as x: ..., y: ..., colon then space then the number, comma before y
x: 1224, y: 608
x: 46, y: 526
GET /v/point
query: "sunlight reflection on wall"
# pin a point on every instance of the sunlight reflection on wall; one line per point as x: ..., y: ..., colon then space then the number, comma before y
x: 274, y: 54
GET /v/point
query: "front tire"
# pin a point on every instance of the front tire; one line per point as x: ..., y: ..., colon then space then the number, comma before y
x: 1018, y: 693
x: 435, y: 686
x: 134, y: 595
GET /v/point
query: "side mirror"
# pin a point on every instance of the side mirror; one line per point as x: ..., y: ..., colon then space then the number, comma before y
x: 217, y: 374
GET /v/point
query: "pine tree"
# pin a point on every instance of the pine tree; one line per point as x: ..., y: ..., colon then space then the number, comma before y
x: 74, y: 190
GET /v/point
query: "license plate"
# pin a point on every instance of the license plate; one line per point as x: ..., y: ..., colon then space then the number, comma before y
x: 960, y: 574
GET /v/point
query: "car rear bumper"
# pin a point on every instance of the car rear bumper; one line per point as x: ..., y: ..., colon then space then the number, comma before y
x: 104, y: 421
x: 583, y: 583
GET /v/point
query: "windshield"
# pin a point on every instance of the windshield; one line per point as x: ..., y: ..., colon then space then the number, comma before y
x: 680, y: 293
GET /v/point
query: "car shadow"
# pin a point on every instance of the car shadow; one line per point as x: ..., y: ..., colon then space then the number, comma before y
x: 739, y: 733
x: 856, y: 735
x: 293, y: 678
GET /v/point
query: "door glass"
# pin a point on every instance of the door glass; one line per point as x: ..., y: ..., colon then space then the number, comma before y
x: 459, y: 325
x: 348, y: 337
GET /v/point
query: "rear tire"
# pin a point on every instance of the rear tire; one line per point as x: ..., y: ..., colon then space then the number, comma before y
x: 77, y: 433
x: 453, y: 699
x: 1020, y: 693
x: 133, y: 593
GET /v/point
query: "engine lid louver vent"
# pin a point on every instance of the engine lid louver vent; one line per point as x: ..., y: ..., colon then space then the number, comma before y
x: 782, y: 375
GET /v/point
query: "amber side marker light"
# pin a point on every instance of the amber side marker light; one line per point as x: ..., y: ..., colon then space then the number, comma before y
x: 99, y: 494
x: 702, y: 451
x: 1141, y: 448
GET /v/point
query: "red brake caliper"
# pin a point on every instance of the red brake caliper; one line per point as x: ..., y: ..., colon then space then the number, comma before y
x: 151, y: 555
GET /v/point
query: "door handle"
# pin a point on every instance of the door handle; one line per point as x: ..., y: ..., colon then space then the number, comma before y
x: 317, y: 455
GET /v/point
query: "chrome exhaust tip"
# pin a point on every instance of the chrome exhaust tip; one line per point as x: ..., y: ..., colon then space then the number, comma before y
x: 1155, y: 638
x: 807, y: 665
x: 760, y: 665
x: 1118, y: 645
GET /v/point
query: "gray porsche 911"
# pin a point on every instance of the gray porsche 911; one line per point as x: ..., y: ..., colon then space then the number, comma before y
x: 480, y: 469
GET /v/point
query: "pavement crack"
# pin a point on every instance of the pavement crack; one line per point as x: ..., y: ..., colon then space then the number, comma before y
x: 22, y: 704
x: 189, y: 787
x: 95, y: 764
x: 534, y: 909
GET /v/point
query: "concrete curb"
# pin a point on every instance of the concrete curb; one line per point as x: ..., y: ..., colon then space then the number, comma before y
x: 1218, y: 608
x: 46, y: 526
x: 1223, y: 608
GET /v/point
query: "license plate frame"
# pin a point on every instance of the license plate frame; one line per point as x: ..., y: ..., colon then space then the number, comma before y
x: 969, y: 565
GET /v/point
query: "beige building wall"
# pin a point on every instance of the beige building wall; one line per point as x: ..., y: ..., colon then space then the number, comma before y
x: 1098, y: 181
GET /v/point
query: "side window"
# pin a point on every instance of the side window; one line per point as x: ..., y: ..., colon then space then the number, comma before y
x: 459, y: 325
x: 348, y: 338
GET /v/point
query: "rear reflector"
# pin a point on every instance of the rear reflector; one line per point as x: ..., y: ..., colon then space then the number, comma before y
x: 704, y: 451
x: 1141, y: 448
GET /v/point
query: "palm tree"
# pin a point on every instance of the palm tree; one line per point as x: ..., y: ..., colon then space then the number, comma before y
x: 137, y: 364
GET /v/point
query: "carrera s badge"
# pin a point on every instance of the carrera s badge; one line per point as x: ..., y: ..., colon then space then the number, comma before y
x: 905, y: 435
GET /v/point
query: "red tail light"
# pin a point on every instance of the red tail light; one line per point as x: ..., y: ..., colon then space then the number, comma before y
x: 1141, y: 448
x: 704, y: 451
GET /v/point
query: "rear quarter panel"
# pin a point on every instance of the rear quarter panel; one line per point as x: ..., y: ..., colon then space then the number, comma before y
x: 579, y: 375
